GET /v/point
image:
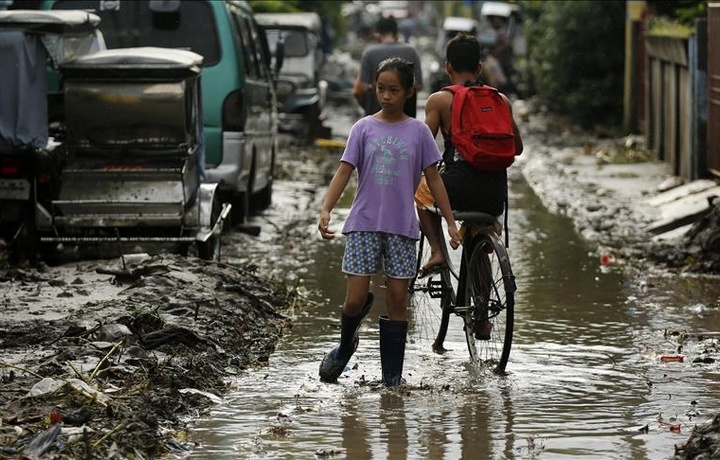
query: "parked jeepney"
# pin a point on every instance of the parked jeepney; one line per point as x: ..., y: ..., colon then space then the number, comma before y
x: 238, y: 94
x: 134, y: 154
x: 124, y: 164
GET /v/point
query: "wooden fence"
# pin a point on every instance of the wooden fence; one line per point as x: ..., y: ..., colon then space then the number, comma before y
x: 682, y: 98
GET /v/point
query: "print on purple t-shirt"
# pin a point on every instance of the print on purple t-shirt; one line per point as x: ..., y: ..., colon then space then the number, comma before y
x: 390, y: 159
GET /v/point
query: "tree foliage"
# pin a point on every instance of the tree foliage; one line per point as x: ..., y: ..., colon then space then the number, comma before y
x: 575, y: 57
x: 682, y: 11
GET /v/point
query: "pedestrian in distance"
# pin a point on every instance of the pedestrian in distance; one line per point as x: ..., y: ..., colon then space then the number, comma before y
x: 388, y: 46
x: 468, y: 188
x: 390, y: 152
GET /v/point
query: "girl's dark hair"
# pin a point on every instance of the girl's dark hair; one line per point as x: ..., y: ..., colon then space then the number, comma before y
x: 404, y: 68
x: 463, y: 53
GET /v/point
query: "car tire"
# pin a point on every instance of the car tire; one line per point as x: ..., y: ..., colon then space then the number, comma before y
x: 240, y: 208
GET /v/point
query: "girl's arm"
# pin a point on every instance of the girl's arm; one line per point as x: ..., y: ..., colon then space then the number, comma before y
x: 337, y: 186
x: 435, y: 183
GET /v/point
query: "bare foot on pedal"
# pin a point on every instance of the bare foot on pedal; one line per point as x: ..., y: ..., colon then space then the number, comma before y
x: 433, y: 266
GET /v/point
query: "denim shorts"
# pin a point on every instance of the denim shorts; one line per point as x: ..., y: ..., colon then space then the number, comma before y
x: 366, y: 253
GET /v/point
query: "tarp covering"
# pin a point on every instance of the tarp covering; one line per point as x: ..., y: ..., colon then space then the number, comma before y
x: 23, y: 90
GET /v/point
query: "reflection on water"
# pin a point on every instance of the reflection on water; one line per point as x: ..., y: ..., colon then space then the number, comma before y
x: 585, y: 375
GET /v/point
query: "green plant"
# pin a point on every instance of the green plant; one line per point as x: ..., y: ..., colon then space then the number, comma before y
x: 682, y: 12
x: 575, y: 58
x: 665, y: 26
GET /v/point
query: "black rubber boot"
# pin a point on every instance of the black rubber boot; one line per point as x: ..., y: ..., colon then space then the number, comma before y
x: 334, y: 362
x: 392, y: 350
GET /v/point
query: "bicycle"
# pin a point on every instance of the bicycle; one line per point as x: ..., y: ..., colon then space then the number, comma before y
x: 485, y: 294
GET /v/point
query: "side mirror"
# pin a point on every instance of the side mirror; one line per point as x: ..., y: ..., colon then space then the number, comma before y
x: 279, y: 55
x: 165, y: 6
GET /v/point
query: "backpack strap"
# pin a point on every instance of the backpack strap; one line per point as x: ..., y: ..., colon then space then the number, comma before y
x: 476, y: 82
x: 451, y: 88
x: 449, y: 148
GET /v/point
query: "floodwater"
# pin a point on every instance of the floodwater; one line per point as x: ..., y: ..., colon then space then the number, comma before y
x: 585, y: 375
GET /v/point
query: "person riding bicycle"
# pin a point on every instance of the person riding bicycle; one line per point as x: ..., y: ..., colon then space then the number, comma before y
x: 468, y: 189
x: 390, y: 151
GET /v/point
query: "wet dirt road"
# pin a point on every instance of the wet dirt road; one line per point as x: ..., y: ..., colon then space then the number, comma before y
x: 586, y: 378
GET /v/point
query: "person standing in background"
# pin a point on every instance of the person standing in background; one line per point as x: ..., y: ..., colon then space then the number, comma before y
x: 388, y: 46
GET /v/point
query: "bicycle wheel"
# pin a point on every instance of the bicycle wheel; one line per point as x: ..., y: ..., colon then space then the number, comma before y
x: 488, y: 304
x: 430, y: 318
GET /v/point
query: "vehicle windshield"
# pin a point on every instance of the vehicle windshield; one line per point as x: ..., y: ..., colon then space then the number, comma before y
x: 127, y: 24
x: 296, y: 41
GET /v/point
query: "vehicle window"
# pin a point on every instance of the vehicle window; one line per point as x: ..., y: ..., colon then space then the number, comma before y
x: 296, y: 44
x: 131, y: 23
x: 248, y: 46
x: 260, y: 46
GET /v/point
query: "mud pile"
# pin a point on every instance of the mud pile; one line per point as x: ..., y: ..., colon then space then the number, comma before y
x: 700, y: 249
x: 146, y: 347
x: 564, y: 166
x: 703, y: 444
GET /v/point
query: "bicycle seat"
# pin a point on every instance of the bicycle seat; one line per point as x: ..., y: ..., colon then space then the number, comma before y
x: 477, y: 218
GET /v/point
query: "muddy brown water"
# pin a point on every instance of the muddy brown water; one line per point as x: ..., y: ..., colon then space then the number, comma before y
x: 585, y: 375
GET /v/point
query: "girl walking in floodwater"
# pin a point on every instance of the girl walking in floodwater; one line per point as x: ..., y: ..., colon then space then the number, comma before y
x: 390, y: 151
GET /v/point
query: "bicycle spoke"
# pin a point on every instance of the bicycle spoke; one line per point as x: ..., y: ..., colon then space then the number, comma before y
x: 486, y: 309
x: 488, y: 315
x: 430, y: 299
x: 424, y: 314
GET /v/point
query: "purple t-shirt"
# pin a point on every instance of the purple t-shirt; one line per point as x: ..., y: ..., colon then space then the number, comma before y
x: 390, y: 159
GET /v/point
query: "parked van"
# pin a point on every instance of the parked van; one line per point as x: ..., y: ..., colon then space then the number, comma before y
x: 238, y: 96
x: 301, y: 92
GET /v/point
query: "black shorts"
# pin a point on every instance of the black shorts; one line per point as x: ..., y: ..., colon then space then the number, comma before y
x: 471, y: 190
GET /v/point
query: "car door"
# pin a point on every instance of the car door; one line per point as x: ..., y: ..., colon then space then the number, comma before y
x: 259, y: 97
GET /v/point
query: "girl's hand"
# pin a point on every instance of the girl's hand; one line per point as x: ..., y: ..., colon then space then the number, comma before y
x: 323, y: 226
x: 455, y: 239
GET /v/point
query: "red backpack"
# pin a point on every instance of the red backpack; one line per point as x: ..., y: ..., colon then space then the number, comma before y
x: 481, y: 127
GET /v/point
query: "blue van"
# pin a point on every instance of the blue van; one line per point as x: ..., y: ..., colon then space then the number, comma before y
x: 238, y: 95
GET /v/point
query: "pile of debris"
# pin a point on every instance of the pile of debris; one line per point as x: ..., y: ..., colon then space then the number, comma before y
x: 116, y: 377
x: 703, y: 444
x: 700, y: 251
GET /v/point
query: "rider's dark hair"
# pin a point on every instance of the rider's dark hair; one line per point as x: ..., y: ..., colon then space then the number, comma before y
x: 463, y: 53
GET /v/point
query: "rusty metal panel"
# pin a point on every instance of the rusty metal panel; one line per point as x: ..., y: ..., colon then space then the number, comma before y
x: 699, y: 105
x: 685, y: 157
x: 670, y: 49
x: 642, y: 109
x: 669, y: 115
x: 655, y: 104
x: 713, y: 133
